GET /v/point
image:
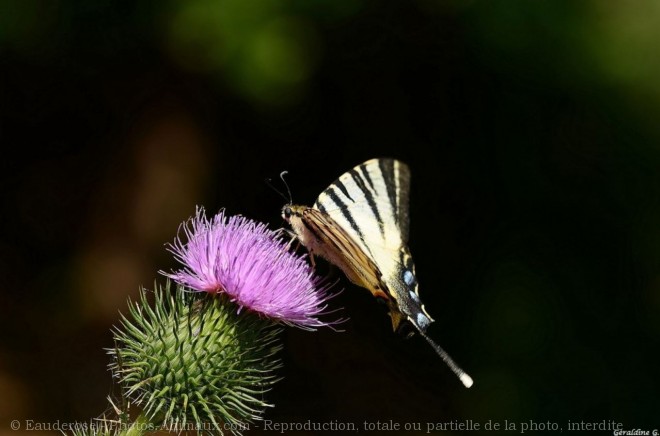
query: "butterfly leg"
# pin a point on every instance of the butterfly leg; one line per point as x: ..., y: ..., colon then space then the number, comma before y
x: 285, y: 232
x: 281, y: 232
x: 311, y: 260
x: 294, y: 237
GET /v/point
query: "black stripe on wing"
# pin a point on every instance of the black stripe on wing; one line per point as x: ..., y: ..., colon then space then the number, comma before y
x: 396, y: 177
x: 367, y: 177
x: 387, y: 172
x: 339, y: 203
x: 357, y: 178
x: 338, y: 183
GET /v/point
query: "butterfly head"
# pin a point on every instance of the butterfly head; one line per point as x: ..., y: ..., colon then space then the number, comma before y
x: 291, y: 213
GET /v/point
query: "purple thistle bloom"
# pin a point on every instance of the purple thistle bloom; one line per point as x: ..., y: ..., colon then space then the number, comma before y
x: 252, y: 265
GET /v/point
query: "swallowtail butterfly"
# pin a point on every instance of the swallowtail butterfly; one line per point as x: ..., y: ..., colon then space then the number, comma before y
x: 360, y: 224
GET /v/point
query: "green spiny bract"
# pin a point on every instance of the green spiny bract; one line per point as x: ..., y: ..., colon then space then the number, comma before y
x: 190, y: 361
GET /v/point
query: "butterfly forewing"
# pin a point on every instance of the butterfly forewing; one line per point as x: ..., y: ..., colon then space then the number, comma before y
x: 370, y: 202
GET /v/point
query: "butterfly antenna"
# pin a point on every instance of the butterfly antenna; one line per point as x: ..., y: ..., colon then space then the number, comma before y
x: 288, y: 190
x: 269, y: 181
x: 462, y: 375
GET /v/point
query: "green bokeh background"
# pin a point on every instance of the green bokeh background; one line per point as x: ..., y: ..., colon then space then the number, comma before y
x: 531, y: 130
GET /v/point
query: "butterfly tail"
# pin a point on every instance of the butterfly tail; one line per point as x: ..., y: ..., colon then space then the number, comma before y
x: 462, y: 375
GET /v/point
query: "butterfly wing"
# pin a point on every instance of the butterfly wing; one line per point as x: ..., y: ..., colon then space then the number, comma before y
x: 370, y: 204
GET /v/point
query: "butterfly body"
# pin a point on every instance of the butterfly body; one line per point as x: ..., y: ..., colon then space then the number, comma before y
x: 360, y: 224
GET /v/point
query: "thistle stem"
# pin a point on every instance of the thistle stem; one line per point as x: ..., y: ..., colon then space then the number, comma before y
x: 140, y: 426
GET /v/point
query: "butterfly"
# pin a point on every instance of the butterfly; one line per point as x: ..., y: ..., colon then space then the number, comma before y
x: 360, y: 223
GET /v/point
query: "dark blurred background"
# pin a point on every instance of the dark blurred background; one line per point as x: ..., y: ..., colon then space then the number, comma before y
x: 531, y: 130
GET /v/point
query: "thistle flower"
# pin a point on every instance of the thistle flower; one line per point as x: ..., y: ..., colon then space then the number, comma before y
x: 252, y: 265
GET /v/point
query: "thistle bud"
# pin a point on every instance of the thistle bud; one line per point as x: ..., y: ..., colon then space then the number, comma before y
x: 191, y: 362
